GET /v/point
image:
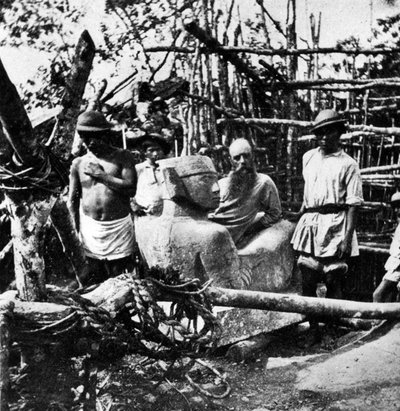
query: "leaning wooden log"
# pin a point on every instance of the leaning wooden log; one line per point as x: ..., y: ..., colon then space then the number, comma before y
x: 6, y: 313
x: 15, y: 122
x: 62, y: 138
x: 214, y: 46
x: 304, y: 305
x: 281, y: 52
x: 228, y: 112
x: 71, y: 245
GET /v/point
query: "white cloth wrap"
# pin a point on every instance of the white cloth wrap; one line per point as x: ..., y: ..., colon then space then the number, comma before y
x: 107, y: 239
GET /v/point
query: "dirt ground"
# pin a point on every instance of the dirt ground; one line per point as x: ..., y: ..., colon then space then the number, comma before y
x: 284, y: 376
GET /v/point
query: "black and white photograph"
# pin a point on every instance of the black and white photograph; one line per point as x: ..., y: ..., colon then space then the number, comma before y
x: 199, y: 205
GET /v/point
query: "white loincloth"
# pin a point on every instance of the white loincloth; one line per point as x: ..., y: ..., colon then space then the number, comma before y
x: 107, y: 239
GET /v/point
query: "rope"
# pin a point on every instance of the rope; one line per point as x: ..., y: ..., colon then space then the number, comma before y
x: 48, y: 176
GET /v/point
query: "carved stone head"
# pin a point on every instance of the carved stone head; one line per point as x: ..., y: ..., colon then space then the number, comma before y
x: 191, y: 179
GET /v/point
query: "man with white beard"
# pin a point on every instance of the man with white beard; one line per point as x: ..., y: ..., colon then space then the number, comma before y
x: 249, y: 200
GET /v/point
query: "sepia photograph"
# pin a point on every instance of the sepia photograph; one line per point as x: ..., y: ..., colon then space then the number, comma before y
x: 199, y: 205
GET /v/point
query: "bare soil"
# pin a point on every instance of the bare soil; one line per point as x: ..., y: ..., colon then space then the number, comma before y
x: 267, y: 382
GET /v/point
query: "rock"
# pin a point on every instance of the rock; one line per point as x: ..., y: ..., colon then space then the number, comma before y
x: 249, y: 349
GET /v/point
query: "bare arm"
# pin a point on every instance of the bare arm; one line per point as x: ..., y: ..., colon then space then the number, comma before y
x: 74, y: 195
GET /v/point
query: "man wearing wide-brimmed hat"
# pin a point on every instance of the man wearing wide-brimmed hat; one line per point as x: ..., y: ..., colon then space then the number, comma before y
x: 101, y: 184
x: 325, y: 234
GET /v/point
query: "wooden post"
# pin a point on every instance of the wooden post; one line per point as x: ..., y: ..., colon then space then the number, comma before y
x: 63, y: 136
x: 6, y: 311
x: 291, y: 99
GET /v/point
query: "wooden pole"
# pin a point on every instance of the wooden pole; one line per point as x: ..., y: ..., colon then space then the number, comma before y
x: 214, y: 46
x: 325, y: 307
x: 76, y: 81
x: 282, y: 52
x: 6, y: 312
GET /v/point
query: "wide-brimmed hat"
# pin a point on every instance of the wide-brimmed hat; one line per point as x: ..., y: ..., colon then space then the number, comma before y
x: 150, y: 138
x: 327, y: 118
x: 92, y: 121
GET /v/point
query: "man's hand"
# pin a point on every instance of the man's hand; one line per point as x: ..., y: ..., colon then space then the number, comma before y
x: 138, y: 210
x: 344, y: 248
x: 94, y: 170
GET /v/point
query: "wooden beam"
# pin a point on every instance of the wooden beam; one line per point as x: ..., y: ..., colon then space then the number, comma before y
x: 280, y: 52
x: 379, y: 169
x: 214, y: 46
x: 267, y: 122
x: 325, y: 307
x: 394, y: 131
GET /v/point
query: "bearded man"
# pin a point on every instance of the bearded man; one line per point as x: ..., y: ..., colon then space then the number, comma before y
x: 249, y: 200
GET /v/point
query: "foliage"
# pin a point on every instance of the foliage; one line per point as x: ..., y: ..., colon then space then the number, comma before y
x: 51, y: 27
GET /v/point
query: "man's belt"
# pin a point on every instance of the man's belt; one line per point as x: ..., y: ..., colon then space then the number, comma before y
x: 327, y: 209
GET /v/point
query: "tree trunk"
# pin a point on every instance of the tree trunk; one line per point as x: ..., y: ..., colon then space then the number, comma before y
x: 28, y: 217
x: 6, y: 311
x: 30, y: 207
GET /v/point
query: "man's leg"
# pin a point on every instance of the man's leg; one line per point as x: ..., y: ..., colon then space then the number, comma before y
x: 385, y: 292
x: 333, y: 283
x: 310, y: 279
x: 120, y: 266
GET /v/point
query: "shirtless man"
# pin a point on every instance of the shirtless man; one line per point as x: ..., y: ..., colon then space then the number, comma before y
x: 101, y: 184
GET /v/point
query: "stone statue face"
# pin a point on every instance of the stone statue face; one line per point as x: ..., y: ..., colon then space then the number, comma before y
x: 191, y: 178
x: 203, y: 190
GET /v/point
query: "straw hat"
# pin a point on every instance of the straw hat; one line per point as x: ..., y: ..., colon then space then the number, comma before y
x: 327, y: 118
x: 92, y: 121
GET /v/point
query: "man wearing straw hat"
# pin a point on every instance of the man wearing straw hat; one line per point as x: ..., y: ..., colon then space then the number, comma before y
x: 325, y: 234
x: 101, y: 184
